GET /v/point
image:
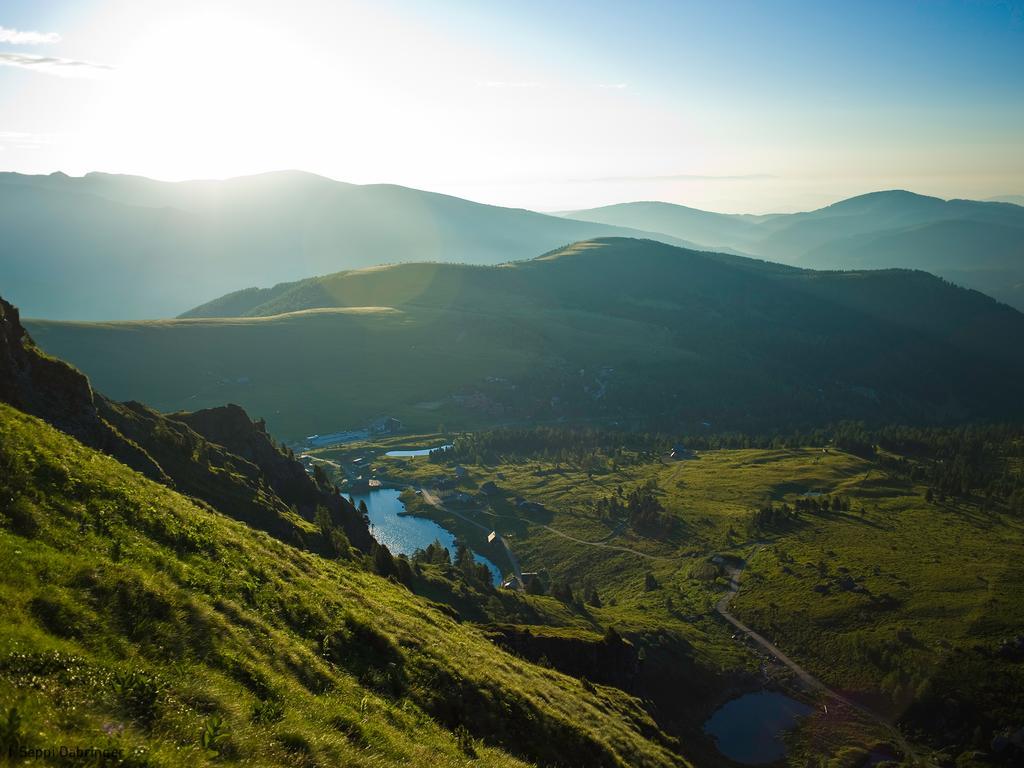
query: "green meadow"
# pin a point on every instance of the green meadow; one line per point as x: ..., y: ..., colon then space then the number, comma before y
x: 900, y: 602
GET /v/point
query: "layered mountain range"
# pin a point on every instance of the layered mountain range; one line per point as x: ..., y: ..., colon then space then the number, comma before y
x: 975, y: 244
x: 103, y: 246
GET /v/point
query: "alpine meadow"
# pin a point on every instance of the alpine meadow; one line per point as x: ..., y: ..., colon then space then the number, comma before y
x: 567, y: 385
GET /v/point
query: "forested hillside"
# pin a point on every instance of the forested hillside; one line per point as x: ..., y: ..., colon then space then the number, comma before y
x: 613, y: 330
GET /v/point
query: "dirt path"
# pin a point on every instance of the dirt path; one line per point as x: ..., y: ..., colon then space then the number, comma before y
x: 809, y: 680
x: 602, y: 545
x: 435, y: 502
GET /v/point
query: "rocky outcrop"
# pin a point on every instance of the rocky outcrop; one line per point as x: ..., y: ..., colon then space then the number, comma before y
x: 218, y: 456
x: 230, y: 426
x: 54, y: 391
x: 205, y: 471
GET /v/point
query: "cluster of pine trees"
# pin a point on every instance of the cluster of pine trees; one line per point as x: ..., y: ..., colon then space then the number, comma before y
x: 984, y: 461
x: 639, y: 507
x: 462, y: 565
x: 770, y: 515
x: 584, y: 448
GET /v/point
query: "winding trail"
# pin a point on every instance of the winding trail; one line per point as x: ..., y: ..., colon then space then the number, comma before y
x: 809, y: 680
x: 602, y: 545
x: 434, y: 501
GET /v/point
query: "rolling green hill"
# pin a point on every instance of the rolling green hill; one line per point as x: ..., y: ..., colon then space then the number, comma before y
x: 976, y: 244
x: 985, y: 256
x: 112, y: 247
x: 618, y: 330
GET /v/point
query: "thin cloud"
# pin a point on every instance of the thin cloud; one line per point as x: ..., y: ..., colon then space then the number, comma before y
x: 681, y: 177
x: 512, y: 84
x: 53, y: 65
x: 23, y: 140
x: 25, y: 37
x: 613, y: 86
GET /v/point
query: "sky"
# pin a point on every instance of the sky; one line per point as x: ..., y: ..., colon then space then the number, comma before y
x: 729, y: 105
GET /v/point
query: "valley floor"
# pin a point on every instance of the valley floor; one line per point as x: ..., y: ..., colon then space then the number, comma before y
x: 886, y: 608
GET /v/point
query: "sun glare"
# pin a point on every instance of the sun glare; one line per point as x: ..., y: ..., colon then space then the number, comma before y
x: 215, y: 92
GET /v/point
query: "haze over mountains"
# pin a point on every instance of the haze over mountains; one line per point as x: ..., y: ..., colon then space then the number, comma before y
x: 105, y: 247
x: 975, y: 244
x: 615, y: 330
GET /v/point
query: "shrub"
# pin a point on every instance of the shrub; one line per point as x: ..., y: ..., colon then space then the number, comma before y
x: 466, y: 741
x: 214, y: 736
x: 266, y: 712
x: 139, y: 694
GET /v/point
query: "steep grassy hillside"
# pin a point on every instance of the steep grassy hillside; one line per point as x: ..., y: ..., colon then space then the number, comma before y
x: 219, y: 455
x: 135, y: 620
x: 615, y: 330
x: 106, y: 247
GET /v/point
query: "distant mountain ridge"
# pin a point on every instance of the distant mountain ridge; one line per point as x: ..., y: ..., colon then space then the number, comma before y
x: 1015, y: 199
x: 105, y: 246
x: 975, y: 244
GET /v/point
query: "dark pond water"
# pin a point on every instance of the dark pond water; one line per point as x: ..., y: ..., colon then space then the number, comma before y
x: 404, y: 534
x: 750, y: 729
x: 417, y: 452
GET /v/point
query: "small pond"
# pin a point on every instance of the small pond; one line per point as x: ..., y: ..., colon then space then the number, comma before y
x: 416, y: 452
x: 750, y: 729
x: 404, y: 534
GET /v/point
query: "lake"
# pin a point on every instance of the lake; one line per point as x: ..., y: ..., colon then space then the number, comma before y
x: 750, y: 729
x: 404, y: 534
x: 416, y: 452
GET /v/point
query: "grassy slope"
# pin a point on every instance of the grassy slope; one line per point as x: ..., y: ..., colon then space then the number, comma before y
x: 227, y: 622
x: 323, y: 371
x: 679, y: 336
x: 943, y: 597
x: 995, y: 266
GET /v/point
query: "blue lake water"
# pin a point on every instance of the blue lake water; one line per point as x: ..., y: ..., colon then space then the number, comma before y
x: 750, y: 729
x: 404, y: 534
x: 417, y: 452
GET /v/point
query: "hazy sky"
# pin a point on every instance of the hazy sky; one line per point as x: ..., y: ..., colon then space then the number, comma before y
x: 729, y: 105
